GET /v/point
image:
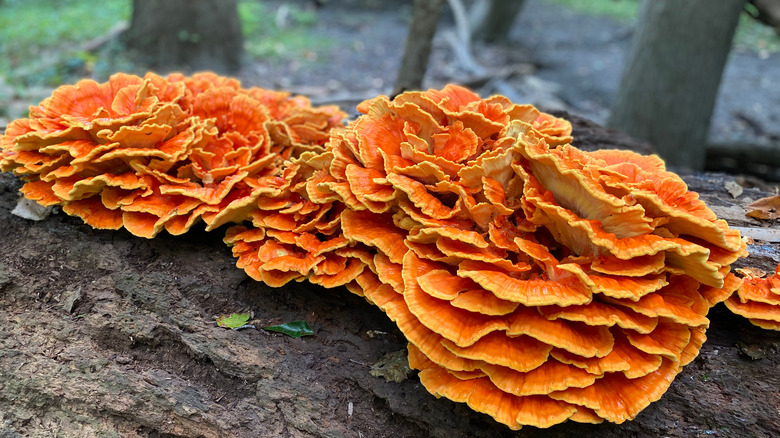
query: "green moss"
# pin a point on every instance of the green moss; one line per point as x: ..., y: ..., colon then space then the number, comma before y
x: 41, y: 37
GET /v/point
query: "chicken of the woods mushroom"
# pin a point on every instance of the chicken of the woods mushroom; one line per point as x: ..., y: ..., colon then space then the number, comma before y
x: 759, y: 300
x: 152, y: 153
x: 535, y: 282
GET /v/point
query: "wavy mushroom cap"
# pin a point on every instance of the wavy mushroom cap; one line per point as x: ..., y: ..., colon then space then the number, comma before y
x: 422, y: 150
x: 534, y: 282
x: 157, y: 153
x: 296, y: 230
x: 759, y: 300
x: 293, y: 123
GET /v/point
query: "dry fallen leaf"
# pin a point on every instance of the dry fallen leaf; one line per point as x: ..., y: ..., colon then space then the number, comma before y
x: 765, y: 208
x: 751, y: 272
x: 733, y: 188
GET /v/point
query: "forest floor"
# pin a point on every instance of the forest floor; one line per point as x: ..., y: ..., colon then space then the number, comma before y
x: 349, y: 50
x: 571, y: 60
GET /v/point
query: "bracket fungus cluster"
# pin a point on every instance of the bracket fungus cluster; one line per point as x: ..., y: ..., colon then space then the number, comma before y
x: 759, y: 300
x: 535, y: 282
x: 158, y: 153
x: 295, y: 231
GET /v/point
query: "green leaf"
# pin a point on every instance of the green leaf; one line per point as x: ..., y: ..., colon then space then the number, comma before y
x: 295, y: 329
x: 233, y: 321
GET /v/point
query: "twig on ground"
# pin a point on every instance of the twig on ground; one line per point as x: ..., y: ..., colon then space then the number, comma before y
x: 764, y: 234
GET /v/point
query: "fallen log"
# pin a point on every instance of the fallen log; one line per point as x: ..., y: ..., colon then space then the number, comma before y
x: 105, y: 333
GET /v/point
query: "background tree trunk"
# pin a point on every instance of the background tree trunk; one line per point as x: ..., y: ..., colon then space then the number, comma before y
x: 187, y: 34
x: 670, y: 82
x: 418, y: 45
x: 491, y: 20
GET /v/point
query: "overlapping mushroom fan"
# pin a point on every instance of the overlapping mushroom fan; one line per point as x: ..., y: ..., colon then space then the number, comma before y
x: 534, y: 282
x: 759, y: 300
x: 157, y: 153
x: 296, y: 230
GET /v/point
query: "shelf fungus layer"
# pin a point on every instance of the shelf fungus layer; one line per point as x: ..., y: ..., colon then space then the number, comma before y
x: 296, y: 230
x: 535, y: 282
x: 758, y: 299
x: 152, y: 153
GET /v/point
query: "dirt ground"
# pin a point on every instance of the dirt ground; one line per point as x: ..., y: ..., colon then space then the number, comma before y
x: 106, y: 334
x: 577, y: 57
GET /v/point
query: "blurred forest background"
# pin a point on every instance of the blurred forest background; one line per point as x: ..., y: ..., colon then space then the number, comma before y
x: 564, y: 55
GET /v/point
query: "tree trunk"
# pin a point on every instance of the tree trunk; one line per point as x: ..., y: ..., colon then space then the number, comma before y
x: 672, y: 74
x: 491, y: 20
x: 187, y: 34
x: 418, y: 44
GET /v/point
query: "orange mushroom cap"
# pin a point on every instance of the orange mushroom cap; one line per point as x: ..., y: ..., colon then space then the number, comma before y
x: 758, y: 299
x: 296, y: 231
x: 151, y: 153
x: 524, y: 272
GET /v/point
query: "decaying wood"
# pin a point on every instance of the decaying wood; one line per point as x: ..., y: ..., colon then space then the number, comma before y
x: 770, y: 235
x: 106, y: 334
x: 759, y: 160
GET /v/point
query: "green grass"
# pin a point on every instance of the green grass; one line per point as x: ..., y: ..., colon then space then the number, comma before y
x: 40, y: 38
x: 620, y: 10
x: 277, y: 34
x: 41, y: 23
x: 750, y: 34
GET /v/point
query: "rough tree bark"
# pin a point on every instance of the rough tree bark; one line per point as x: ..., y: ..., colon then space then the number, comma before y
x: 187, y: 34
x: 670, y: 82
x: 418, y: 45
x: 491, y: 20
